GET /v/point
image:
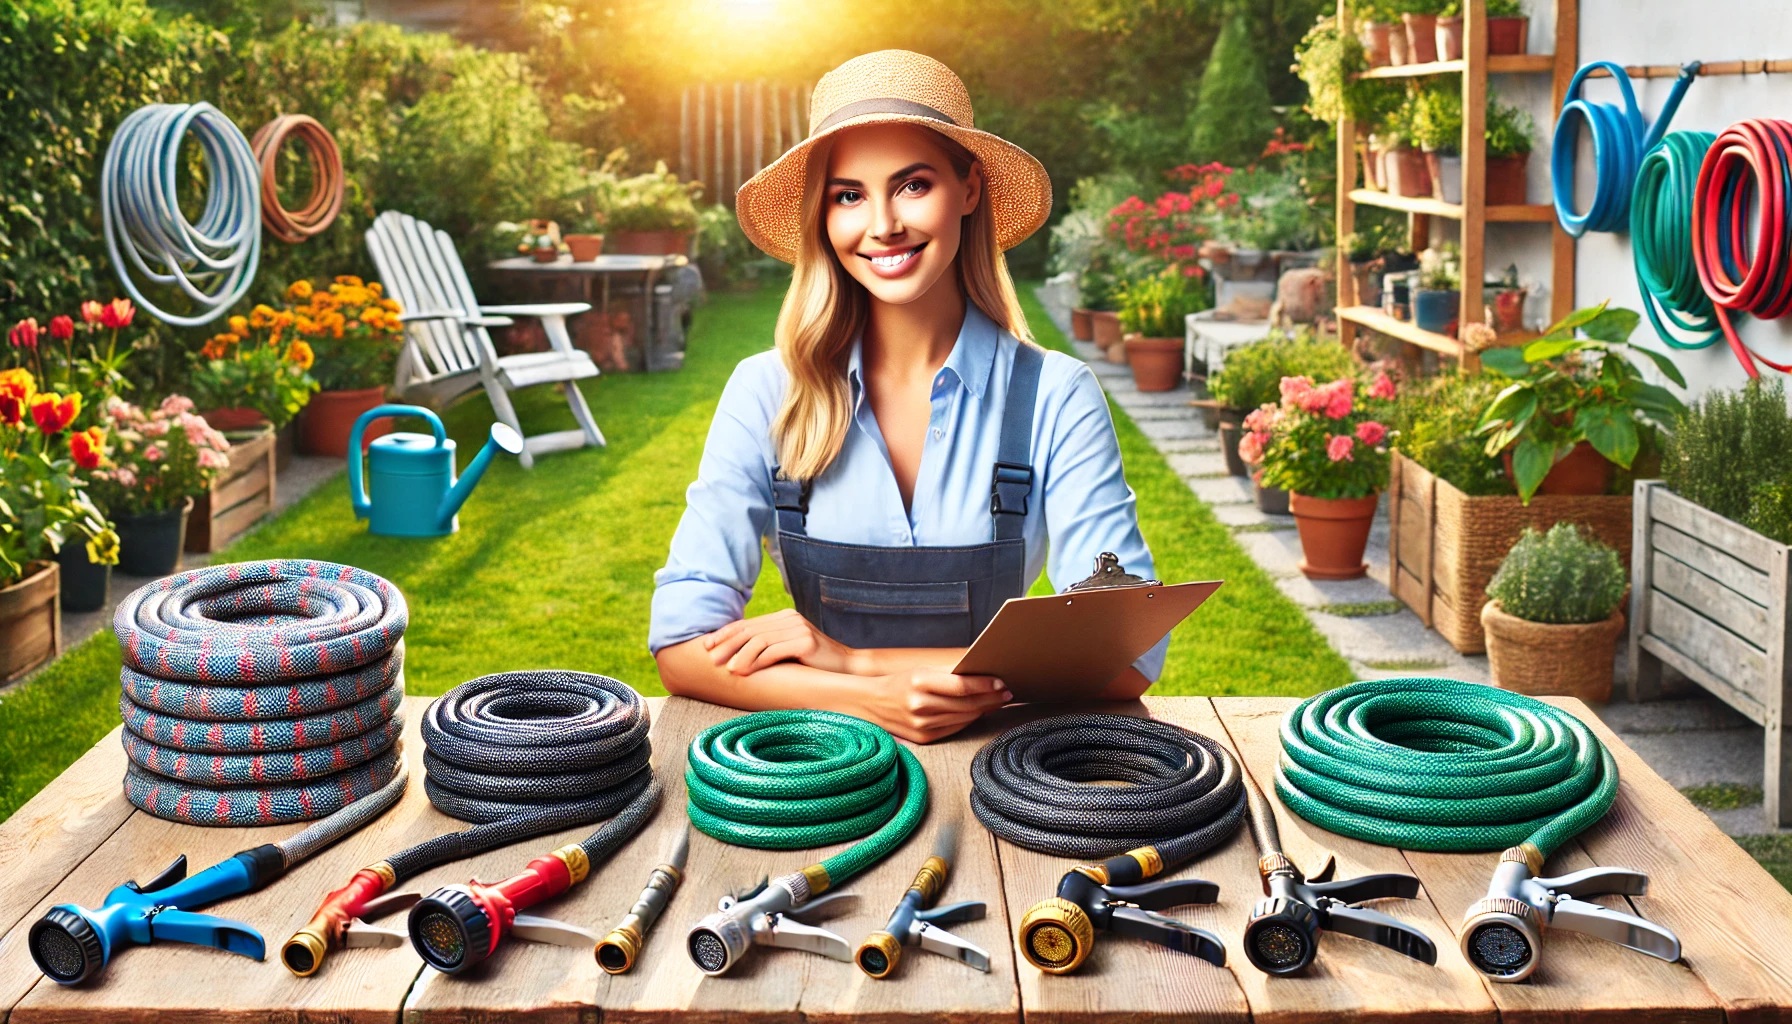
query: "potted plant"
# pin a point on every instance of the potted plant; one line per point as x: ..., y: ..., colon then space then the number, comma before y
x: 1099, y: 291
x: 1552, y: 618
x: 540, y: 240
x: 1577, y: 406
x: 1259, y: 428
x: 1508, y: 30
x: 1437, y: 128
x: 354, y: 333
x: 1420, y: 19
x: 161, y: 459
x: 1328, y: 450
x: 1510, y: 132
x: 1404, y: 164
x: 1449, y: 31
x: 585, y: 240
x: 1438, y: 298
x: 1376, y: 22
x: 1503, y: 297
x: 1152, y: 313
x: 254, y: 375
x: 650, y: 214
x: 1252, y: 377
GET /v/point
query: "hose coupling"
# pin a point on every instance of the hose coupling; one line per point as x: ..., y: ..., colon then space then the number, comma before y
x: 917, y: 922
x: 458, y: 926
x: 765, y: 915
x: 341, y: 920
x: 1057, y: 934
x: 1282, y: 935
x: 617, y: 952
x: 1502, y: 934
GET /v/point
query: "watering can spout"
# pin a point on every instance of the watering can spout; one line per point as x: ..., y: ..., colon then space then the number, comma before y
x: 502, y: 437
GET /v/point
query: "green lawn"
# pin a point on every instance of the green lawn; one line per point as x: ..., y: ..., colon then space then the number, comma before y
x: 553, y: 567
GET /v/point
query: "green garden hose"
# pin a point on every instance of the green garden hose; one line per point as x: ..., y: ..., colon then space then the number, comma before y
x: 1439, y: 764
x: 1661, y: 241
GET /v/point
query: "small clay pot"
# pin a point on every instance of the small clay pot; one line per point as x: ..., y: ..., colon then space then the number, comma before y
x: 1104, y: 329
x: 1544, y: 659
x: 1374, y: 36
x: 585, y: 248
x: 1582, y: 471
x: 1421, y: 37
x: 1506, y: 180
x: 327, y: 419
x: 1399, y: 50
x: 1334, y: 532
x: 1508, y: 35
x: 1156, y: 362
x: 1449, y: 37
x: 1408, y: 176
x: 1082, y: 327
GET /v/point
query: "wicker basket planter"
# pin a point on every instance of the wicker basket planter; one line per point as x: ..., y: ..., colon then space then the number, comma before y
x: 30, y: 622
x: 240, y: 494
x: 1542, y: 659
x: 1712, y: 599
x: 1444, y: 546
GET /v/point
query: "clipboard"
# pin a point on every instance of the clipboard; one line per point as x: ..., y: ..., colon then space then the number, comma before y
x: 1060, y: 647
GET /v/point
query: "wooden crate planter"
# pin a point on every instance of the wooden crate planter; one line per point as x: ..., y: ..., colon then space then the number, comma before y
x: 1444, y: 546
x: 1710, y: 598
x: 240, y: 495
x: 30, y: 621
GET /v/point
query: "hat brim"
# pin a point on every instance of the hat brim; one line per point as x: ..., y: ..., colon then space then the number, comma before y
x: 770, y: 203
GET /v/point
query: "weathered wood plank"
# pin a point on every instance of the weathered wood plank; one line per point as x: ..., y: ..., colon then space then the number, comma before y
x: 1739, y: 576
x: 1668, y: 654
x: 1645, y: 669
x: 1349, y: 979
x: 1716, y: 602
x: 1776, y: 786
x: 1746, y: 545
x: 1744, y: 667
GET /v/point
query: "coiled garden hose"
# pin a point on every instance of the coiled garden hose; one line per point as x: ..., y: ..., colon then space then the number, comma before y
x: 1750, y: 160
x: 520, y: 754
x: 325, y: 200
x: 1661, y: 241
x: 1620, y: 141
x: 259, y: 693
x: 1041, y: 786
x: 214, y: 260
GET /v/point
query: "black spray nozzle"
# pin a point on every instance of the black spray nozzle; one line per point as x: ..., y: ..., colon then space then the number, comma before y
x: 1282, y: 935
x: 1057, y: 934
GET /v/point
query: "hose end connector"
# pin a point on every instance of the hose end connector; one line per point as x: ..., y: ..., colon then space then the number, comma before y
x: 1056, y: 936
x: 340, y: 920
x: 879, y: 954
x: 304, y: 953
x: 617, y: 952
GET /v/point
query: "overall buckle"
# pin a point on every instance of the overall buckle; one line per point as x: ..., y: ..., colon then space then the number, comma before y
x: 1009, y: 488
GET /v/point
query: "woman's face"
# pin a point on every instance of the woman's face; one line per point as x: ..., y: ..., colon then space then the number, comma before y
x: 894, y: 208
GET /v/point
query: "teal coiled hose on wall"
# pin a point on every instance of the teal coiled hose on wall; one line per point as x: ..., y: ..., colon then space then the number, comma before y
x: 1661, y: 241
x: 1439, y: 764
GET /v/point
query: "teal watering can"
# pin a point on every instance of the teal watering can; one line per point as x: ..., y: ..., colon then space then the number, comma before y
x: 415, y: 493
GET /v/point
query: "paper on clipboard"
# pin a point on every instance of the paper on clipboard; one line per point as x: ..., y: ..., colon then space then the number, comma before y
x: 1059, y: 647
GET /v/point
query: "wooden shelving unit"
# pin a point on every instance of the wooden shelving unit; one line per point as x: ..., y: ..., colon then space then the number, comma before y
x: 1473, y: 212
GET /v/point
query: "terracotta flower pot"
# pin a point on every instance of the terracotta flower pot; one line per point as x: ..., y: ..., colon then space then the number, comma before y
x: 1215, y: 252
x: 1082, y: 325
x: 1421, y: 37
x: 30, y: 623
x: 648, y: 243
x: 1582, y: 471
x: 1374, y: 36
x: 1407, y: 173
x: 236, y: 417
x: 325, y: 424
x: 1333, y: 534
x: 1508, y: 35
x: 1544, y: 659
x: 1156, y: 362
x: 585, y: 248
x: 1449, y: 37
x: 1104, y: 328
x: 149, y: 544
x: 1399, y: 52
x: 1506, y: 180
x: 544, y: 254
x: 1507, y: 305
x: 1367, y: 283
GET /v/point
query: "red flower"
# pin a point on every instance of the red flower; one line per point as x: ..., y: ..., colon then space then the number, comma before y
x: 53, y: 412
x: 62, y: 328
x: 1370, y: 432
x: 24, y: 333
x: 91, y: 311
x: 1382, y: 388
x: 117, y: 313
x: 1339, y: 447
x: 88, y: 447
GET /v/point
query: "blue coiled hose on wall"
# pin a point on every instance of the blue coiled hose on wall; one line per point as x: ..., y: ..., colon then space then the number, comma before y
x: 212, y: 260
x: 1620, y: 141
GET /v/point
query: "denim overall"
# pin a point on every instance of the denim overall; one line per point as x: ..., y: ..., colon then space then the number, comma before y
x: 870, y: 596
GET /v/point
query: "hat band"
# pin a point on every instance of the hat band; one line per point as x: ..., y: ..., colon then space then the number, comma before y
x: 881, y: 105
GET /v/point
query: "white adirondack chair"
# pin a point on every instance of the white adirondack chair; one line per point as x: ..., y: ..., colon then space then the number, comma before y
x: 447, y: 350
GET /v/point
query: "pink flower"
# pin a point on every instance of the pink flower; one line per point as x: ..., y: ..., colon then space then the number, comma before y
x: 24, y: 333
x: 1264, y: 418
x: 91, y: 311
x: 174, y: 405
x: 125, y: 476
x: 1250, y: 447
x: 1340, y: 395
x: 1295, y: 388
x: 153, y: 453
x: 1383, y: 388
x: 62, y: 328
x: 209, y: 459
x: 1370, y: 432
x: 1338, y: 449
x: 155, y: 428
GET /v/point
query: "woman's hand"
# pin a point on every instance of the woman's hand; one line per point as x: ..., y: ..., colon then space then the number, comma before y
x: 924, y: 704
x: 745, y: 646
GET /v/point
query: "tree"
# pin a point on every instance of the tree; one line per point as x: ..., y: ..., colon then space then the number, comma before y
x: 1233, y: 119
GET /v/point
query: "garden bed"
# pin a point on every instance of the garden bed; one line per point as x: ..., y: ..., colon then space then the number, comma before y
x: 239, y: 496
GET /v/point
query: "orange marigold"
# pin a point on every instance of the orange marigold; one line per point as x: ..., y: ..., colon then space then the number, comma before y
x: 299, y: 290
x: 300, y: 353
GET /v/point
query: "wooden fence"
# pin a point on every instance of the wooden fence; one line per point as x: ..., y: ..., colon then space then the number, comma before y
x: 728, y: 131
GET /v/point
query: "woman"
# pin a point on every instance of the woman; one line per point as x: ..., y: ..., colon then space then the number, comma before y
x: 906, y: 451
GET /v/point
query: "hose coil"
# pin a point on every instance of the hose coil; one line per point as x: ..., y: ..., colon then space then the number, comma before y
x: 1620, y: 141
x: 1661, y: 240
x: 1748, y: 161
x: 325, y: 200
x: 1440, y: 764
x: 260, y: 693
x: 212, y: 261
x: 1039, y: 786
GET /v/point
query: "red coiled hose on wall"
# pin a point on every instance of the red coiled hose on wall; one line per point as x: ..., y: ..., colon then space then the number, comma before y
x: 1749, y: 164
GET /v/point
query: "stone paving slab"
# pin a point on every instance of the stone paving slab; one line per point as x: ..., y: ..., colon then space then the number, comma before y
x: 1225, y: 490
x: 1239, y: 514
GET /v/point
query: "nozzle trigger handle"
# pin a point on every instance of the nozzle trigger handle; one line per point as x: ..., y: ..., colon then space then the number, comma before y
x: 174, y: 872
x: 1176, y: 892
x: 953, y: 913
x: 1391, y: 885
x: 1167, y: 931
x: 207, y: 930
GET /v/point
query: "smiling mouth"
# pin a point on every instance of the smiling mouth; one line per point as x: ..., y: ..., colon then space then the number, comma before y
x: 897, y: 259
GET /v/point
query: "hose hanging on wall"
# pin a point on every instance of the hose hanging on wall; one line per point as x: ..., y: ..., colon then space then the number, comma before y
x: 1619, y: 144
x: 212, y: 261
x: 1750, y: 160
x: 1661, y: 240
x: 325, y: 200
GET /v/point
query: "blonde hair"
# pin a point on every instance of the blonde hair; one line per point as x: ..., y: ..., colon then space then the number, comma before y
x: 825, y: 308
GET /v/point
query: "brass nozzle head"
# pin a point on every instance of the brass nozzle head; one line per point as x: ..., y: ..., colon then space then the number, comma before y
x: 304, y: 953
x: 1056, y: 935
x: 878, y: 955
x: 617, y: 952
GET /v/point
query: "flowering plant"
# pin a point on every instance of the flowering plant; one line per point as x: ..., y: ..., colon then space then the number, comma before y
x: 351, y: 327
x: 1174, y: 224
x: 1323, y: 440
x: 255, y: 365
x: 68, y: 355
x: 44, y: 501
x: 160, y: 457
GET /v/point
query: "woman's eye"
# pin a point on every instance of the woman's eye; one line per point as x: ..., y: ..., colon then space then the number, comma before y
x: 914, y: 187
x: 846, y: 197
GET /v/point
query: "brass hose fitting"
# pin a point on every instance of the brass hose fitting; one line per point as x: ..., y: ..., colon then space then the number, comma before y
x: 1056, y: 936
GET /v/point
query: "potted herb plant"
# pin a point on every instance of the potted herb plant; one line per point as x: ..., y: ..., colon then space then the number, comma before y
x: 1420, y: 20
x: 354, y: 333
x: 1153, y: 311
x: 1438, y: 299
x: 1329, y: 63
x: 161, y: 459
x: 1403, y: 162
x: 649, y: 214
x: 1437, y: 128
x: 1100, y: 289
x: 1328, y: 450
x: 1449, y: 31
x: 1508, y: 29
x: 1510, y: 132
x: 1576, y: 405
x: 1252, y: 377
x: 1552, y: 616
x: 1375, y: 23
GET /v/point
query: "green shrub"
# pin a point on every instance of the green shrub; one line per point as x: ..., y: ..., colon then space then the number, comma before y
x: 1562, y: 576
x: 1732, y: 453
x: 1158, y: 306
x: 1434, y: 425
x: 1253, y: 373
x: 1233, y: 120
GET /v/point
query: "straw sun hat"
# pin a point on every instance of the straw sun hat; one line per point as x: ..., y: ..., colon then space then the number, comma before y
x: 892, y: 86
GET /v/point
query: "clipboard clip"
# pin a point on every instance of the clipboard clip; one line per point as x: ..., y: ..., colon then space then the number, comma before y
x: 1110, y: 573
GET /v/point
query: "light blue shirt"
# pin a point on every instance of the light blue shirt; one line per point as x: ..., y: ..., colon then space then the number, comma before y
x: 1080, y: 503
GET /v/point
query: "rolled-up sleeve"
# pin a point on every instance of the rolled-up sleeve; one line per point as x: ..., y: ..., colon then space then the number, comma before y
x: 715, y: 555
x: 1088, y: 506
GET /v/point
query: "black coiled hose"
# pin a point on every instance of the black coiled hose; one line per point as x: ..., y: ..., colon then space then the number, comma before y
x: 1039, y: 786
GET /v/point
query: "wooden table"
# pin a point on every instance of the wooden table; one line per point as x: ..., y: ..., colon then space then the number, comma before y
x: 601, y: 331
x: 79, y: 837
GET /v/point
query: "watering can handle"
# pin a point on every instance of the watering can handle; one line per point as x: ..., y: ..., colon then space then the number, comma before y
x: 357, y: 489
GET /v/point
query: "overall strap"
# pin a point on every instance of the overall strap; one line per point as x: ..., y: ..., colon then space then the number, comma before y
x: 1012, y: 482
x: 791, y: 499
